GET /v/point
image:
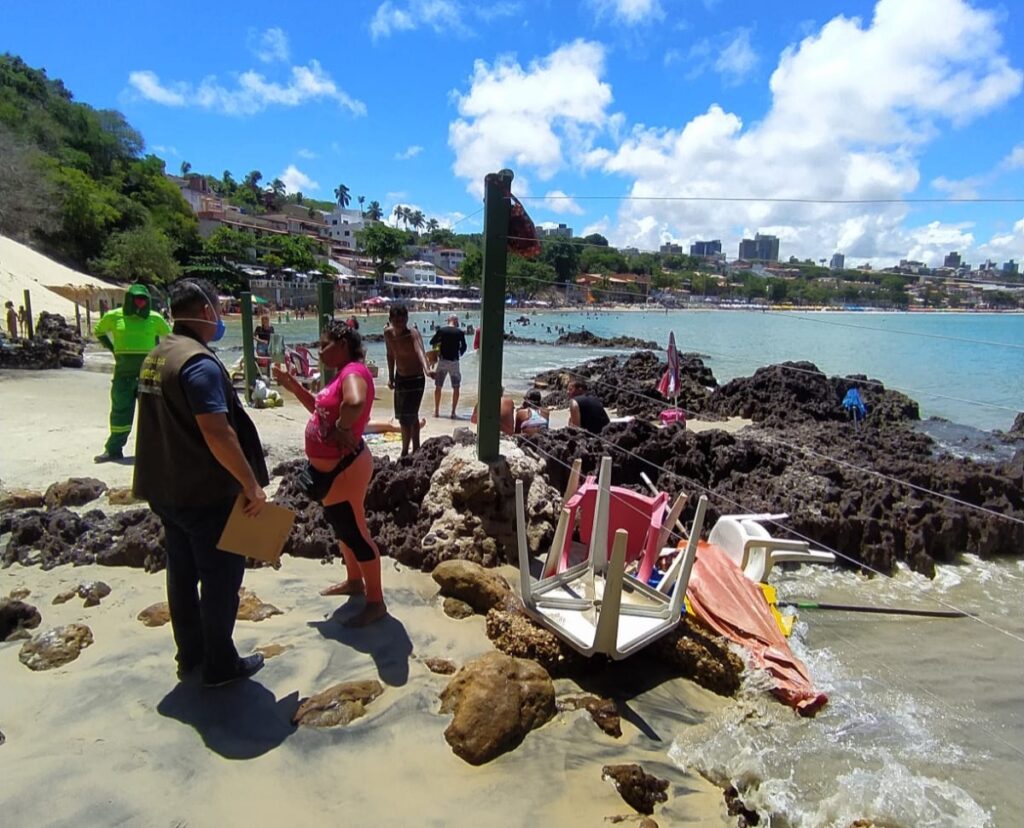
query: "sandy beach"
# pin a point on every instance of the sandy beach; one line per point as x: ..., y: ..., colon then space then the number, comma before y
x: 125, y: 743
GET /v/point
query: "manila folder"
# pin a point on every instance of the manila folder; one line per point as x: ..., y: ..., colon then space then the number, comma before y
x: 261, y: 537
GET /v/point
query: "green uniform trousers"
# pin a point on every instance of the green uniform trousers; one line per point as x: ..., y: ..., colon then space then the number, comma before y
x: 123, y: 389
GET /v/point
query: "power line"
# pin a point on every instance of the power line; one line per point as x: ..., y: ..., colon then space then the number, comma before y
x: 779, y: 200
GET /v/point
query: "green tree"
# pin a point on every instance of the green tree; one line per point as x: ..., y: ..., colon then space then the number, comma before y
x: 341, y: 194
x: 596, y: 238
x: 416, y: 219
x: 527, y: 278
x: 401, y: 214
x: 361, y: 200
x: 186, y: 168
x: 432, y: 225
x: 382, y: 244
x: 89, y: 212
x: 232, y: 245
x: 564, y: 257
x: 374, y: 211
x: 143, y: 254
x: 472, y: 268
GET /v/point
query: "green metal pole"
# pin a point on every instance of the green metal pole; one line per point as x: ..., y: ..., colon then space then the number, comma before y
x: 248, y: 348
x: 497, y: 187
x: 325, y: 305
x: 28, y: 314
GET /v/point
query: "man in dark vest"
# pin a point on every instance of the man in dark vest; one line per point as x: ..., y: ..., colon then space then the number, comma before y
x: 585, y: 410
x: 196, y: 451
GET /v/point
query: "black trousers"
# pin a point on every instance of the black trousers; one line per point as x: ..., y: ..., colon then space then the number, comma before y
x: 202, y: 587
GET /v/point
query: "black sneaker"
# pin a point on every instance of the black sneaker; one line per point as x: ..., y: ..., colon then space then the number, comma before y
x: 108, y: 457
x: 245, y: 667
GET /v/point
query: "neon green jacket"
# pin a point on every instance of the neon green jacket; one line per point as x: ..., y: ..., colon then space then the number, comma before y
x: 131, y: 331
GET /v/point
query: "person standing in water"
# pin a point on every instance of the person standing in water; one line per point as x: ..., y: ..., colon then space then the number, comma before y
x: 452, y: 342
x: 407, y: 369
x: 129, y: 333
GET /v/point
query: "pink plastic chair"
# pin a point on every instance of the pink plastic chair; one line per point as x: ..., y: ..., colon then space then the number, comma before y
x: 644, y: 519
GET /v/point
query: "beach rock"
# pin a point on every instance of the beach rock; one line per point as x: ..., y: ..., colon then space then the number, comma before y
x: 337, y: 705
x: 53, y: 329
x: 32, y: 355
x: 641, y: 790
x: 19, y: 594
x: 1017, y: 429
x: 251, y: 608
x: 65, y: 596
x: 16, y: 616
x: 604, y: 712
x: 55, y: 647
x: 441, y: 666
x: 93, y: 592
x: 693, y: 653
x: 472, y: 507
x: 514, y: 633
x: 496, y: 700
x: 454, y: 608
x: 481, y: 588
x: 11, y: 499
x: 588, y: 339
x: 75, y: 491
x: 155, y: 615
x: 134, y: 538
x: 121, y: 496
x: 269, y: 651
x: 745, y: 816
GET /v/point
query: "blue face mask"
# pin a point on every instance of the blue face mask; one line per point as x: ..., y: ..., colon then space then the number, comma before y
x: 218, y: 333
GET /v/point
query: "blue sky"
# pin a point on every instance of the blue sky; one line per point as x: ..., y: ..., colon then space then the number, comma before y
x: 412, y: 101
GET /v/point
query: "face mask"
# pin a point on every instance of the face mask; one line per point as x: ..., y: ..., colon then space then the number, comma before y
x: 218, y: 330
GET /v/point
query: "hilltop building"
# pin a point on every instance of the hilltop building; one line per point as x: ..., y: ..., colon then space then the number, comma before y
x: 706, y: 249
x: 671, y: 247
x: 952, y: 260
x: 1010, y: 268
x: 837, y: 262
x: 761, y: 248
x: 342, y: 226
x: 562, y: 231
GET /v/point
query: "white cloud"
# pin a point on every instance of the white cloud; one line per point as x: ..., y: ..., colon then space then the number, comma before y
x: 253, y: 92
x: 737, y: 59
x: 852, y: 107
x: 440, y: 15
x: 308, y: 154
x: 1015, y: 160
x: 1004, y: 246
x: 529, y: 117
x: 270, y: 46
x: 166, y: 150
x: 295, y: 180
x: 558, y: 202
x: 408, y: 152
x: 629, y: 12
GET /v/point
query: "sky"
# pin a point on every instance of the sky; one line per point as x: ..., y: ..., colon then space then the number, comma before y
x: 630, y: 118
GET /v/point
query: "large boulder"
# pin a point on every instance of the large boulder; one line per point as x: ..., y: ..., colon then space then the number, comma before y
x: 496, y: 700
x: 514, y: 633
x: 17, y: 616
x: 482, y: 589
x: 692, y: 652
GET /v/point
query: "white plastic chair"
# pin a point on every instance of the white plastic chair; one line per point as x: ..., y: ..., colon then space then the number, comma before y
x: 594, y: 606
x: 755, y: 551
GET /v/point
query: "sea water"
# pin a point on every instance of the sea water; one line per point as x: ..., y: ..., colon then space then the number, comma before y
x: 925, y: 724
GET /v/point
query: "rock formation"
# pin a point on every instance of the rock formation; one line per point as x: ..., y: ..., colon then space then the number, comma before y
x: 337, y: 705
x: 55, y: 647
x: 641, y: 790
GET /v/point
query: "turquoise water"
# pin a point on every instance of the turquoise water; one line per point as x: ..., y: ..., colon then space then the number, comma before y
x: 967, y: 368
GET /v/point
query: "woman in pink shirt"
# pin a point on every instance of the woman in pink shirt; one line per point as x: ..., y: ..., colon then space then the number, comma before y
x: 341, y: 464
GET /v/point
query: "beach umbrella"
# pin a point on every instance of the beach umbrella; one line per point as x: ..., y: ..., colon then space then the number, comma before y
x: 669, y: 385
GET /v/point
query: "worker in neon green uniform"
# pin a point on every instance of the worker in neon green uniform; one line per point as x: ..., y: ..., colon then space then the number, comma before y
x: 129, y: 332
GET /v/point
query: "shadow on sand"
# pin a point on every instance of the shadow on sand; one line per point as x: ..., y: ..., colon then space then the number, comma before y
x: 240, y: 721
x: 385, y: 641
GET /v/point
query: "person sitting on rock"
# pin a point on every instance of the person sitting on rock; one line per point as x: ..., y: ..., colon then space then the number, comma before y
x: 585, y: 410
x: 531, y: 417
x: 506, y: 414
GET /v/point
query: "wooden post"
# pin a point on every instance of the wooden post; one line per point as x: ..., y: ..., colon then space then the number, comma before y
x: 325, y: 314
x: 30, y: 323
x: 78, y: 318
x: 248, y: 348
x: 497, y: 189
x: 88, y: 321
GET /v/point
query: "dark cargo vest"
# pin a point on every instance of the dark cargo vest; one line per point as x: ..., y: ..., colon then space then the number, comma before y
x: 173, y: 465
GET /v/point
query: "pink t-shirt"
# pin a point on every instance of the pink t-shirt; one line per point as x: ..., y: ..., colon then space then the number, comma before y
x: 325, y: 414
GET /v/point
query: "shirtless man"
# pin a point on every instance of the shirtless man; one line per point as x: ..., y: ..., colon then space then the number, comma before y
x: 407, y: 369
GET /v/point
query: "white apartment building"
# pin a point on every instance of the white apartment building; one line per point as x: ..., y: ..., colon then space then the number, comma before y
x: 342, y: 226
x: 418, y: 272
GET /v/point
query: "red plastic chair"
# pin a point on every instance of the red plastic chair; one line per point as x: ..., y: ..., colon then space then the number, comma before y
x: 646, y: 520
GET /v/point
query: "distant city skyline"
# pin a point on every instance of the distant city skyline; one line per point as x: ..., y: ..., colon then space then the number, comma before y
x: 648, y: 122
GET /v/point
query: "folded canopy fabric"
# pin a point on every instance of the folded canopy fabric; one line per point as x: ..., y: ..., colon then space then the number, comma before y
x: 734, y: 606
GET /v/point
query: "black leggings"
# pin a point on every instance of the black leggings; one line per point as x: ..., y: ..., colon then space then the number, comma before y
x: 342, y: 519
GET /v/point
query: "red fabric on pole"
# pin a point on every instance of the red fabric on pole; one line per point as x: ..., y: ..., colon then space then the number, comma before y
x: 669, y: 385
x: 733, y: 606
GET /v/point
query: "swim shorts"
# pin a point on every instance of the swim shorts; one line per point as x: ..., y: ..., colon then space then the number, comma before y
x: 408, y: 396
x: 447, y: 367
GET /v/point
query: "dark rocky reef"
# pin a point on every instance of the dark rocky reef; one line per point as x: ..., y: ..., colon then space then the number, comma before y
x: 56, y: 344
x: 592, y: 340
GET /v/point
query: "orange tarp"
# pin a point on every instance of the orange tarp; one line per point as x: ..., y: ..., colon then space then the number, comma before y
x: 732, y: 605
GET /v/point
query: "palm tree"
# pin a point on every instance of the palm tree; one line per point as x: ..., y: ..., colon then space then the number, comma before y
x: 298, y: 197
x: 401, y: 214
x: 228, y: 182
x: 252, y: 180
x: 416, y: 219
x: 277, y: 187
x: 186, y: 168
x: 341, y: 193
x: 361, y: 199
x: 374, y: 211
x: 432, y: 225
